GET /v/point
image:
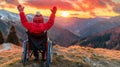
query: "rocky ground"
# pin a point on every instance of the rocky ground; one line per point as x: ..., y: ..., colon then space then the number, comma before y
x: 73, y: 56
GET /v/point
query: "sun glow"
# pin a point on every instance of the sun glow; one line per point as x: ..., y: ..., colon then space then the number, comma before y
x: 65, y: 14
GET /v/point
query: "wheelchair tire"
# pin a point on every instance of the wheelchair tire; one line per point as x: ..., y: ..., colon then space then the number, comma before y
x: 49, y: 54
x: 24, y: 54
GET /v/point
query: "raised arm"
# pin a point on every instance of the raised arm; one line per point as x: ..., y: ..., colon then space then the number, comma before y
x: 23, y: 17
x: 50, y: 22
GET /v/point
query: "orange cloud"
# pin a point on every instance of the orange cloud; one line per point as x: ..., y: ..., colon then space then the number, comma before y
x: 13, y: 2
x: 117, y: 8
x: 47, y: 4
x: 76, y: 5
x: 89, y: 6
x: 80, y: 5
x: 8, y: 3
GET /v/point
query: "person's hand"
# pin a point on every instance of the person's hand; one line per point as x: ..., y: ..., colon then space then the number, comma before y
x: 20, y: 8
x: 54, y: 10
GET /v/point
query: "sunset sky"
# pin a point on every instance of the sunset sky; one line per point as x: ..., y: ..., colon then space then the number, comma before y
x: 66, y: 8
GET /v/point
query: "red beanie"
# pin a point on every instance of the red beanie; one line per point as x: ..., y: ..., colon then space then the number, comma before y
x: 38, y: 18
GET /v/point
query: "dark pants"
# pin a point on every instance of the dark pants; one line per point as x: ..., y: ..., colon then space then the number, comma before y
x: 36, y: 54
x: 37, y: 43
x: 36, y: 47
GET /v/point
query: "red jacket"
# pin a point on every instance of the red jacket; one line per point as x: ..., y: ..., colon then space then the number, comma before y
x: 36, y: 28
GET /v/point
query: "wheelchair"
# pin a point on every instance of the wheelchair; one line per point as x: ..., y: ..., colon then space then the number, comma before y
x: 35, y: 39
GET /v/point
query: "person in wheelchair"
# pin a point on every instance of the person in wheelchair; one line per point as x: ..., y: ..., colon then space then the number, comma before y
x: 37, y: 31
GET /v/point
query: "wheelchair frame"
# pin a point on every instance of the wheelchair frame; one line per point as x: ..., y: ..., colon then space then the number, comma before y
x: 26, y: 56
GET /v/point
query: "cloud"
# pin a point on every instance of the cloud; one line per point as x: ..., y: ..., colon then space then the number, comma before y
x: 76, y: 5
x: 8, y: 3
x: 13, y: 2
x: 80, y: 5
x: 49, y: 3
x: 70, y: 4
x: 116, y: 8
x: 75, y: 14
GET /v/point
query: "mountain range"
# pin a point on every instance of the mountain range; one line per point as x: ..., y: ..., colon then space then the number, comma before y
x: 65, y: 31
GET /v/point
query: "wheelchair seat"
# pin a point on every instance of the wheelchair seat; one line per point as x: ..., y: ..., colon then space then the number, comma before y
x: 37, y: 42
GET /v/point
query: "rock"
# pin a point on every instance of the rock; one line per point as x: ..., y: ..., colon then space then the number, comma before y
x: 94, y: 54
x: 86, y: 59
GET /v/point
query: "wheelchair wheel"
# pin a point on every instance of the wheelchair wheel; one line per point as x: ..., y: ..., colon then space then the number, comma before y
x: 49, y: 54
x: 24, y: 54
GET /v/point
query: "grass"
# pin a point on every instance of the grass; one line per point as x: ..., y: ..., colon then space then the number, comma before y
x: 68, y: 57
